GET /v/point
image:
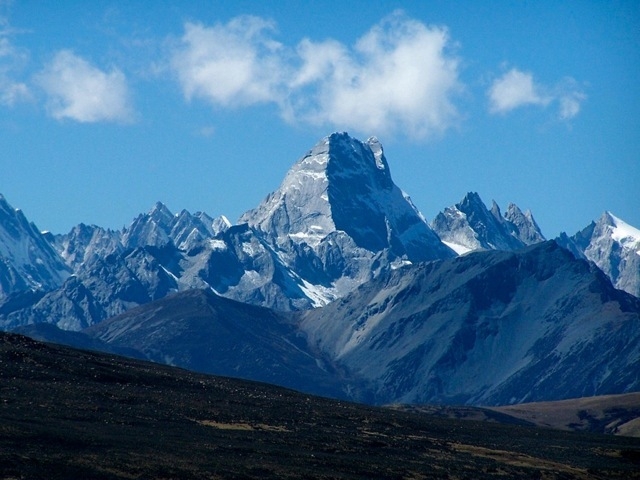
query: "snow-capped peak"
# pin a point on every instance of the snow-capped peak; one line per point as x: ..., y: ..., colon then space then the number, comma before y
x: 614, y: 246
x: 622, y: 232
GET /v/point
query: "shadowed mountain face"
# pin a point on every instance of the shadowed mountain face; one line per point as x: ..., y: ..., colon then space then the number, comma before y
x: 208, y: 333
x: 344, y: 186
x: 75, y: 414
x: 487, y: 328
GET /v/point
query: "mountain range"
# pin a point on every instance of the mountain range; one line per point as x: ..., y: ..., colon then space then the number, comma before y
x: 336, y: 284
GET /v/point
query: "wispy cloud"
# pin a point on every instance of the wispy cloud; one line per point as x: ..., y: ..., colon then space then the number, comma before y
x: 400, y: 75
x: 570, y: 97
x: 80, y: 91
x: 12, y: 90
x: 515, y: 89
x: 207, y: 131
x: 12, y: 61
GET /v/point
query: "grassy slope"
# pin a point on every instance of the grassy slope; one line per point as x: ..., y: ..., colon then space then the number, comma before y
x: 614, y: 414
x: 71, y: 414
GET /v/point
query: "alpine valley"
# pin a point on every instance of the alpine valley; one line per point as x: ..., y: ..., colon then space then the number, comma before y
x: 337, y: 285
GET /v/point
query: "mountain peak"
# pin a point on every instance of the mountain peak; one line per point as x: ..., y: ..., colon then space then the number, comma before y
x: 4, y: 204
x: 344, y: 185
x: 620, y: 231
x: 220, y: 224
x: 152, y: 228
x: 495, y: 211
x: 337, y: 218
x: 614, y: 246
x: 469, y: 225
x: 470, y: 198
x: 161, y: 213
x: 524, y: 226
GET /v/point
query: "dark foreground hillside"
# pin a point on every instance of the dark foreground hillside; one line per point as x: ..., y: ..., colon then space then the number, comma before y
x: 71, y: 414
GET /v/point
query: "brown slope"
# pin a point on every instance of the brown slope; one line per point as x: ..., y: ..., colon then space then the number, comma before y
x: 612, y: 414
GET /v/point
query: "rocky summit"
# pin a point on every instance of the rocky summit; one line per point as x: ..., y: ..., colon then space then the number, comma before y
x: 338, y: 219
x: 470, y: 225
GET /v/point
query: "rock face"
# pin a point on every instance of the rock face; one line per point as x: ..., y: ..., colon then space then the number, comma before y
x: 469, y: 226
x: 104, y: 287
x: 86, y: 243
x: 522, y: 225
x: 614, y: 246
x: 338, y: 217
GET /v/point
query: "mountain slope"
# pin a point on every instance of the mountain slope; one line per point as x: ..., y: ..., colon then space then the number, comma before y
x: 614, y: 414
x: 73, y: 414
x: 202, y: 331
x: 486, y: 328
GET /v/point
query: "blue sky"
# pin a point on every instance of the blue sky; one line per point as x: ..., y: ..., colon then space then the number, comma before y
x: 107, y: 107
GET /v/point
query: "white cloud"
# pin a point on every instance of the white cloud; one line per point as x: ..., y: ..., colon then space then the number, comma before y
x: 399, y: 76
x: 79, y: 91
x: 516, y: 89
x: 236, y: 64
